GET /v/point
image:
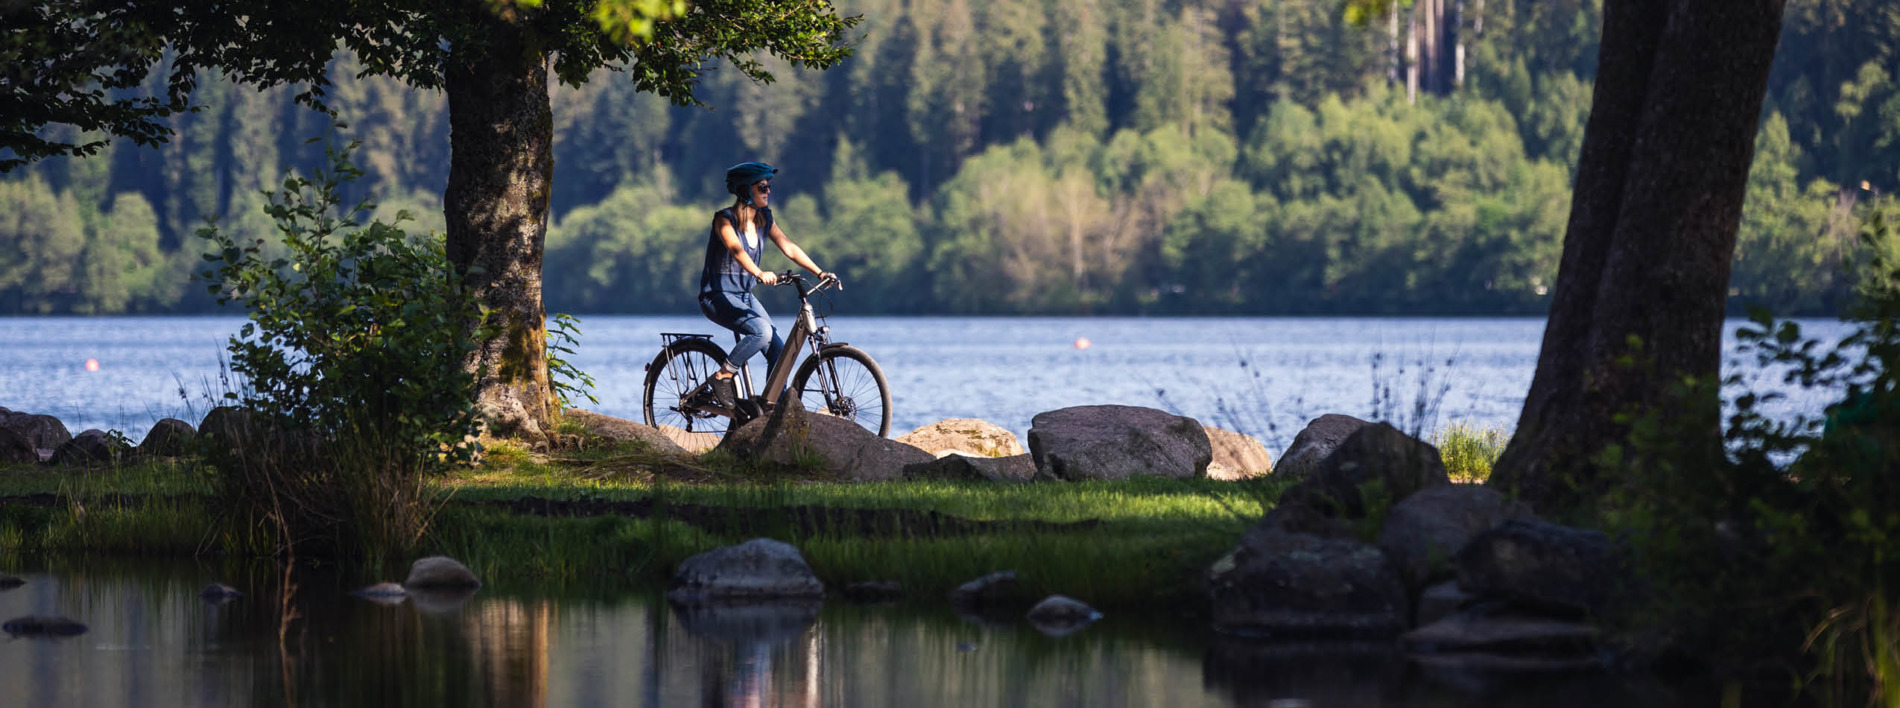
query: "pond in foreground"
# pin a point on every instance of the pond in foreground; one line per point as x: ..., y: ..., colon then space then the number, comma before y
x: 154, y: 642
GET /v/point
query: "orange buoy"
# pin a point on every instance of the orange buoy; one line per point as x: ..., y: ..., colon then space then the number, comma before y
x: 1082, y: 343
x: 92, y: 364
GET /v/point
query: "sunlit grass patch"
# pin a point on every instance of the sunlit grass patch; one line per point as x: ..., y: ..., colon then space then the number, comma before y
x: 1469, y: 451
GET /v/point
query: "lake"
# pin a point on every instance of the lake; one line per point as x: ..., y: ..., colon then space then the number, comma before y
x: 1261, y: 376
x: 154, y: 642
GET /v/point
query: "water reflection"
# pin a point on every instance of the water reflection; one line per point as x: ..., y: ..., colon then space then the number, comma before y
x: 155, y: 642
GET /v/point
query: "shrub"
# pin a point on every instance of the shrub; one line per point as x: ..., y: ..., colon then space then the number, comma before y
x: 1793, y: 528
x: 351, y: 364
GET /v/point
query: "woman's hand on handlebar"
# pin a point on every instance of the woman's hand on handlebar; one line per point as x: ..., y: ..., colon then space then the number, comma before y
x: 833, y: 277
x: 768, y: 277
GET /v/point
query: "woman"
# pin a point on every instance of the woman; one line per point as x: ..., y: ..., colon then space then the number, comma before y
x: 733, y: 251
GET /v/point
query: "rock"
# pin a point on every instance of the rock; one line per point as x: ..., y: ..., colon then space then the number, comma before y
x: 1315, y: 442
x: 620, y: 429
x: 1439, y: 601
x: 1118, y: 442
x: 1236, y: 456
x: 1015, y: 468
x: 383, y: 593
x: 1542, y: 565
x: 759, y: 569
x: 1061, y: 615
x: 1290, y: 585
x: 981, y: 437
x: 1493, y: 628
x: 219, y: 592
x: 1423, y: 532
x: 843, y: 448
x: 876, y: 591
x: 695, y: 443
x: 42, y: 627
x: 9, y: 582
x: 1400, y: 464
x: 169, y: 437
x: 44, y: 431
x: 990, y: 589
x: 15, y: 449
x: 440, y: 572
x: 92, y: 447
x: 243, y: 441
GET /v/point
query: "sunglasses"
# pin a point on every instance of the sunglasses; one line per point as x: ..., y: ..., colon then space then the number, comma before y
x: 764, y: 187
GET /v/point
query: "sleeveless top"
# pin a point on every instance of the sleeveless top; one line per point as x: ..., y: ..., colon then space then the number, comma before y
x: 722, y: 272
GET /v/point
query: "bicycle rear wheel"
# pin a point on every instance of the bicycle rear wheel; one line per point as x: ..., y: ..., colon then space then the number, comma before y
x: 674, y: 392
x: 844, y: 382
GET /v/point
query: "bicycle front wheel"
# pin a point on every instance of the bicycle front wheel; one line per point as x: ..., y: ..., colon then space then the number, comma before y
x: 675, y: 393
x: 844, y: 382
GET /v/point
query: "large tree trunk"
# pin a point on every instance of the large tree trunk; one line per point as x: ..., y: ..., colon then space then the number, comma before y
x: 501, y: 138
x: 1644, y: 276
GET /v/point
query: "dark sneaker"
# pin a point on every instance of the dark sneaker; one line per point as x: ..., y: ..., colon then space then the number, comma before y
x: 724, y: 393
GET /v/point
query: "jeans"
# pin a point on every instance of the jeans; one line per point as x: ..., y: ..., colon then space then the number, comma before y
x: 744, y: 315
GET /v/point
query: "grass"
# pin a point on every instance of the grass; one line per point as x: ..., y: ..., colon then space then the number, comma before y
x: 1109, y: 543
x: 1470, y: 451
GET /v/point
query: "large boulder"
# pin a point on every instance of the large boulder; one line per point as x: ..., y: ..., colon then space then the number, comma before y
x: 15, y: 449
x: 977, y: 438
x: 44, y: 431
x: 92, y: 447
x: 759, y: 569
x: 1118, y: 442
x: 1543, y: 566
x: 169, y: 437
x: 1237, y: 456
x: 243, y: 441
x: 1015, y: 468
x: 440, y: 572
x: 845, y: 449
x: 1378, y: 455
x: 1423, y: 532
x: 1280, y: 584
x: 1315, y: 442
x: 624, y: 430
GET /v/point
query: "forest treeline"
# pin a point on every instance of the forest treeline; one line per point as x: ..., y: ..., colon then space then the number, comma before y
x: 1043, y: 156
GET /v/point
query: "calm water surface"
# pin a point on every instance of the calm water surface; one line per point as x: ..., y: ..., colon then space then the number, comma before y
x: 1263, y: 376
x: 153, y: 642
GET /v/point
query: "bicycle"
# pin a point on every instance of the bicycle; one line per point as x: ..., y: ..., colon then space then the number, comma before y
x: 836, y: 379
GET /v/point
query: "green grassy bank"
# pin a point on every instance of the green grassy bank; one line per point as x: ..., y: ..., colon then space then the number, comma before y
x: 559, y: 519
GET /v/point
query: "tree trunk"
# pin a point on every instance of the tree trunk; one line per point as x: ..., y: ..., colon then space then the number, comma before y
x: 1644, y: 276
x: 501, y: 138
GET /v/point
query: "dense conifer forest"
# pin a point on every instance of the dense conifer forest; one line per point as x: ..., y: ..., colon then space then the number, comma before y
x: 1043, y: 156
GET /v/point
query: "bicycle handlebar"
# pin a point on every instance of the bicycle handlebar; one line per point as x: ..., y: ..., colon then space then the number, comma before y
x: 791, y: 276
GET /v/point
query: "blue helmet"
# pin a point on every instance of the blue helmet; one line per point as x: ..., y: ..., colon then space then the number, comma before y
x: 746, y: 174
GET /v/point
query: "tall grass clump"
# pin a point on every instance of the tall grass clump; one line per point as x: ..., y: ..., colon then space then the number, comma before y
x: 352, y: 391
x: 1794, y: 525
x: 1469, y: 451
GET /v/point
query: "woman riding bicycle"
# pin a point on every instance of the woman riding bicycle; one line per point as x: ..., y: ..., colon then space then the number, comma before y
x: 733, y: 251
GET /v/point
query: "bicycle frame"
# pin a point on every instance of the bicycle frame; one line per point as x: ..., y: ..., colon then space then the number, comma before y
x: 804, y: 329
